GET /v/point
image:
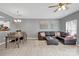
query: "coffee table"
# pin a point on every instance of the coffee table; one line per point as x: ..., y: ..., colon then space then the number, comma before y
x: 51, y: 40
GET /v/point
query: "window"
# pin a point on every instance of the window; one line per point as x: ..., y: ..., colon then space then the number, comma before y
x: 71, y: 27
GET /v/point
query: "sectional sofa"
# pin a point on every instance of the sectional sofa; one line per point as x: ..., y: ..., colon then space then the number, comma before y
x: 63, y: 37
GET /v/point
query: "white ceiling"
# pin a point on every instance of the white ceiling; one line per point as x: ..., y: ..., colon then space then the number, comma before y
x: 36, y: 10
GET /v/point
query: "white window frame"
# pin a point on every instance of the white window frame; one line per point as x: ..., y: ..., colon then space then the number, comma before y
x: 71, y: 27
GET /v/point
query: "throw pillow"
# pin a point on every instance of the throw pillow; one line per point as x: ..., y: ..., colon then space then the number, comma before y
x: 57, y: 34
x: 42, y: 34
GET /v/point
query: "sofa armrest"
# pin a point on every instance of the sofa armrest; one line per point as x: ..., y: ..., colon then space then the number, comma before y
x: 40, y: 37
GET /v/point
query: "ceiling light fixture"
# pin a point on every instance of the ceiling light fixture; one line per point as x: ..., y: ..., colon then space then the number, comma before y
x: 63, y: 7
x: 17, y: 20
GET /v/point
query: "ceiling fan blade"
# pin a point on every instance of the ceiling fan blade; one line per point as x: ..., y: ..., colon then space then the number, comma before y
x: 56, y: 10
x: 53, y: 6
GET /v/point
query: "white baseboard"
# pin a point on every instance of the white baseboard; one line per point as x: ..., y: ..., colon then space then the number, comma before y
x: 31, y: 38
x: 2, y: 43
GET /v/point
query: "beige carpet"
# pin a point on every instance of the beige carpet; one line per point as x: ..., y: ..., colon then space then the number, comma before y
x: 39, y: 48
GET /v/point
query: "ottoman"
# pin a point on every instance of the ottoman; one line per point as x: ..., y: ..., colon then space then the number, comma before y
x: 51, y: 40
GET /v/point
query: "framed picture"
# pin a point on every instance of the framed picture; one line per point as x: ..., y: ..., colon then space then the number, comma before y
x: 4, y: 25
x: 43, y: 24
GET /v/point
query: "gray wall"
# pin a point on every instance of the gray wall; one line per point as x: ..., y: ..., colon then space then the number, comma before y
x: 3, y: 33
x: 68, y: 18
x: 31, y: 27
x: 6, y: 17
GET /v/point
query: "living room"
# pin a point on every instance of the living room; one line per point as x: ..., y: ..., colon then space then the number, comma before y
x: 33, y: 18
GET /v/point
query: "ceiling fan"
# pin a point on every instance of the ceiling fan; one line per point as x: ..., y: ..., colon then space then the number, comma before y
x: 60, y: 6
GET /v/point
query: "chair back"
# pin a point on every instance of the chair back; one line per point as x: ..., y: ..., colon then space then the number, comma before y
x: 11, y: 35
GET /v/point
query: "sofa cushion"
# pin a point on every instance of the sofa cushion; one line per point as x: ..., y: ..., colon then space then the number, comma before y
x: 69, y: 38
x: 47, y: 33
x: 63, y: 34
x: 57, y: 34
x: 42, y: 34
x: 52, y: 33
